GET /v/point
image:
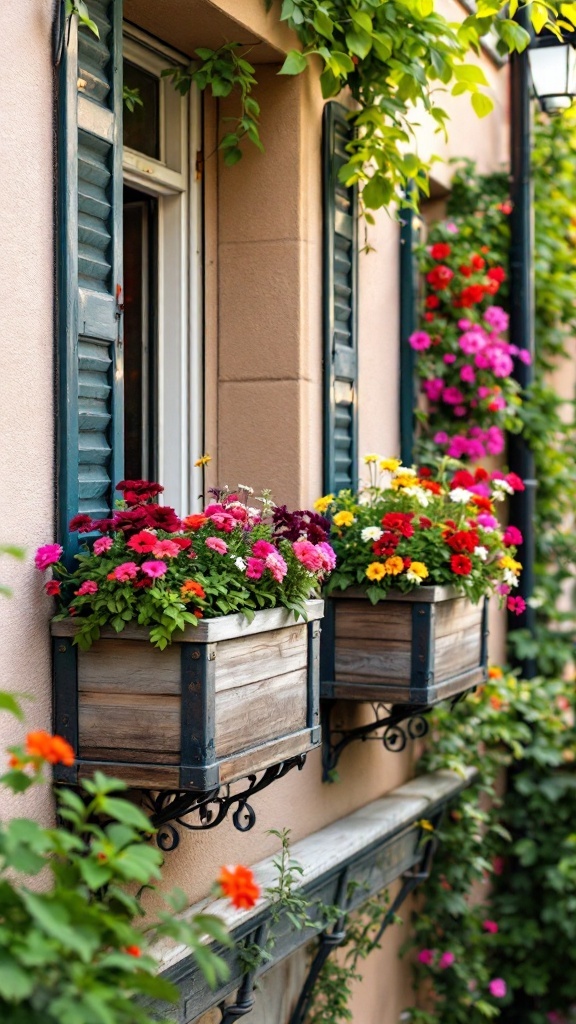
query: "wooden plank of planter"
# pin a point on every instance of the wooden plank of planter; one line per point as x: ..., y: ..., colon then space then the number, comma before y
x: 230, y: 694
x: 414, y: 648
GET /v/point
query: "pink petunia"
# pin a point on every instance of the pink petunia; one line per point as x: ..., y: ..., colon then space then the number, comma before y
x: 126, y: 571
x: 517, y: 605
x: 255, y: 568
x: 217, y: 544
x: 467, y: 374
x: 307, y: 554
x: 426, y: 956
x: 433, y: 388
x: 497, y: 318
x: 328, y: 555
x: 420, y: 341
x: 223, y: 521
x: 497, y: 988
x: 452, y: 396
x: 277, y: 566
x: 512, y: 535
x: 446, y: 960
x: 88, y: 587
x: 154, y: 569
x: 166, y: 549
x: 490, y: 926
x: 47, y: 555
x: 262, y: 548
x: 102, y: 545
x: 449, y: 358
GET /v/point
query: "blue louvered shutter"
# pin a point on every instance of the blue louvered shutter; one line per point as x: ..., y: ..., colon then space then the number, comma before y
x: 340, y: 283
x: 90, y: 413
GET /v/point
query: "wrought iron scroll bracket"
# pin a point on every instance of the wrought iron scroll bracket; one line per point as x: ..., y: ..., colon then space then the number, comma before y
x: 199, y: 811
x: 393, y: 726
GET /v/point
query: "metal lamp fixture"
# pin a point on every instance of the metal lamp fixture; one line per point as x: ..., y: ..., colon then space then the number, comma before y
x: 553, y: 71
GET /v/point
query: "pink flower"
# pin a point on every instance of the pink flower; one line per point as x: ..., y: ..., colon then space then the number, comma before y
x: 262, y: 548
x: 254, y: 568
x: 154, y: 569
x: 512, y: 535
x: 126, y: 571
x: 277, y: 566
x: 516, y: 605
x: 307, y: 554
x: 419, y: 341
x: 223, y: 521
x: 503, y: 589
x: 441, y: 437
x: 472, y: 341
x: 484, y: 392
x: 217, y: 544
x: 497, y: 988
x: 460, y: 411
x: 446, y: 960
x: 433, y: 388
x: 494, y: 441
x: 47, y: 555
x: 490, y: 926
x: 497, y: 318
x: 524, y: 356
x: 88, y: 587
x: 166, y: 549
x: 102, y: 544
x: 452, y: 396
x: 467, y: 374
x: 449, y: 358
x: 498, y: 865
x: 327, y: 554
x: 452, y: 228
x: 426, y: 956
x: 487, y: 521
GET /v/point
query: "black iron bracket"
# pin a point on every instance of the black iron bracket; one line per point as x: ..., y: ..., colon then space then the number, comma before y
x: 207, y: 810
x: 336, y: 936
x: 393, y: 726
x: 244, y: 1002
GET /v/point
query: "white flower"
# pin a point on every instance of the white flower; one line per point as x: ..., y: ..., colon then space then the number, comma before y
x: 244, y: 487
x: 413, y: 577
x: 503, y: 485
x: 371, y: 533
x: 365, y: 498
x: 510, y: 578
x: 405, y: 471
x: 240, y: 563
x: 481, y: 552
x: 498, y: 496
x: 422, y: 496
x: 461, y: 496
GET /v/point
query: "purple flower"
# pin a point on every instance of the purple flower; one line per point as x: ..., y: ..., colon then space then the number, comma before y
x: 497, y: 988
x: 446, y: 960
x: 419, y: 341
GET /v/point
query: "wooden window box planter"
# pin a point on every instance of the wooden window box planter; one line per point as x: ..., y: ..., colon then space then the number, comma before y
x: 412, y: 649
x: 225, y: 700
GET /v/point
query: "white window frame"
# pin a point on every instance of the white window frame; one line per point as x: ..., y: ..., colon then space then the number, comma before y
x: 174, y: 180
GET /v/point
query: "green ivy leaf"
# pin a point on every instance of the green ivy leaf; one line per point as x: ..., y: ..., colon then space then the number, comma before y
x: 294, y: 64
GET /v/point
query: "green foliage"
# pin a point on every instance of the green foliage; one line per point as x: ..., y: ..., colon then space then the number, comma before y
x: 79, y: 9
x: 225, y: 71
x: 132, y: 98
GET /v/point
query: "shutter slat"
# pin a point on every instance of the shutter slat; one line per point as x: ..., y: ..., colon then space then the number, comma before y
x: 90, y: 271
x: 340, y: 307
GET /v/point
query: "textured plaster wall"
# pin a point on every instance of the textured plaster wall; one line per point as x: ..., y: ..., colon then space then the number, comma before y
x: 26, y: 333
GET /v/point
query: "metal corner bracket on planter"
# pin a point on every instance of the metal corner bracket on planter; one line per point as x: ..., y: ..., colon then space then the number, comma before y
x: 227, y: 700
x: 402, y: 655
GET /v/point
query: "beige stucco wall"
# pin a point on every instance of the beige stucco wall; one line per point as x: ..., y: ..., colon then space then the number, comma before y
x: 263, y: 383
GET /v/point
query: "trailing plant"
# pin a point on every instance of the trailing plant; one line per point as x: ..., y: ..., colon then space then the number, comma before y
x: 151, y: 567
x: 407, y: 528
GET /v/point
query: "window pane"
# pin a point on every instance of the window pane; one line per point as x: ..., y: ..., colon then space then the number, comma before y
x: 142, y: 125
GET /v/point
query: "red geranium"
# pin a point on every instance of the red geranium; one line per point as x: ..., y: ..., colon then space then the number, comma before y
x: 491, y: 287
x: 496, y: 274
x: 52, y: 588
x: 439, y: 277
x: 136, y: 492
x: 465, y: 270
x: 477, y: 262
x: 461, y: 565
x: 483, y: 503
x: 386, y: 544
x: 440, y: 251
x: 471, y: 295
x: 462, y: 478
x: 515, y: 482
x: 143, y: 542
x: 399, y: 521
x: 462, y: 541
x: 432, y: 302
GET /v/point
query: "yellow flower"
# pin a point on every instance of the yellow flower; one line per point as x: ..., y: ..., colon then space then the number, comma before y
x: 507, y: 562
x: 393, y: 565
x: 371, y: 458
x: 420, y: 569
x: 203, y: 460
x: 404, y: 480
x: 375, y: 571
x: 343, y: 519
x: 426, y: 825
x: 321, y: 504
x: 390, y: 464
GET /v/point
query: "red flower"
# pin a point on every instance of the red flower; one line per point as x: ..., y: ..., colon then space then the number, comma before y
x: 462, y: 478
x: 440, y: 251
x: 407, y: 563
x: 399, y: 521
x: 238, y: 884
x: 194, y: 522
x: 425, y: 523
x: 143, y: 542
x: 81, y: 523
x: 182, y: 542
x: 515, y: 482
x: 439, y: 277
x: 138, y: 491
x: 471, y: 295
x: 497, y: 274
x: 432, y: 302
x: 386, y: 544
x: 505, y: 208
x: 491, y: 287
x: 477, y: 262
x: 465, y: 270
x: 431, y: 485
x: 481, y: 474
x: 52, y: 588
x: 162, y: 517
x: 131, y: 520
x: 516, y: 605
x: 133, y: 951
x: 462, y: 540
x: 424, y: 471
x: 53, y: 749
x: 484, y: 504
x: 146, y: 581
x: 460, y: 565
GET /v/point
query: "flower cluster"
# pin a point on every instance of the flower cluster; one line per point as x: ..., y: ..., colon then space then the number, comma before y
x: 409, y: 527
x: 464, y: 360
x: 151, y: 567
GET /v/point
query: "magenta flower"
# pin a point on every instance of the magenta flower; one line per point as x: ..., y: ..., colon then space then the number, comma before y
x: 452, y: 396
x: 490, y: 926
x: 426, y: 956
x: 327, y: 554
x: 419, y: 341
x: 503, y: 589
x: 166, y: 549
x: 524, y: 356
x: 487, y: 521
x: 102, y: 544
x: 441, y: 437
x: 494, y: 441
x: 516, y: 605
x: 433, y: 388
x: 223, y: 521
x: 497, y: 318
x: 449, y: 358
x: 254, y: 568
x: 472, y: 341
x: 263, y: 548
x: 460, y: 411
x: 497, y: 988
x: 446, y: 960
x: 47, y: 555
x: 124, y: 572
x: 277, y: 566
x: 467, y: 374
x: 154, y: 569
x: 512, y: 535
x: 88, y: 587
x: 217, y: 544
x: 307, y: 554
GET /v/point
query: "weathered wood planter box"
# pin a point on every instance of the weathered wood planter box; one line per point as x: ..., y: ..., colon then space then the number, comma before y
x: 227, y: 699
x: 415, y: 648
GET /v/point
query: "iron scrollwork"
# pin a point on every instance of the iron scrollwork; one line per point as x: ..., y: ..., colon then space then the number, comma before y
x: 392, y: 726
x: 199, y: 811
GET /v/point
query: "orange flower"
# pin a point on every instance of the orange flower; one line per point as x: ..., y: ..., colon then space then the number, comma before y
x: 53, y: 749
x: 238, y: 884
x: 15, y: 762
x: 394, y: 565
x: 198, y: 613
x: 496, y: 702
x: 495, y: 672
x: 133, y: 950
x: 191, y: 587
x: 194, y: 522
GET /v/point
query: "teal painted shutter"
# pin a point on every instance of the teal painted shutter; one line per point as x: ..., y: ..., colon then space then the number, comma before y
x: 90, y: 414
x: 408, y: 322
x: 340, y: 307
